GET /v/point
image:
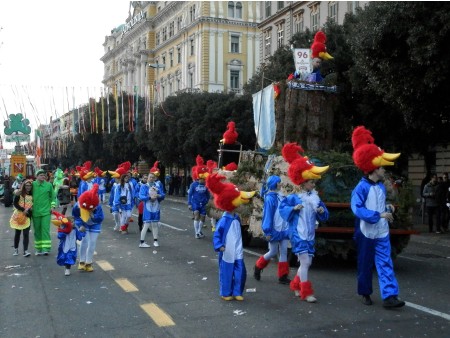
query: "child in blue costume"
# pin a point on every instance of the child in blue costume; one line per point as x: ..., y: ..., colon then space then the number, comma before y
x: 302, y: 210
x: 88, y: 215
x: 68, y: 234
x: 227, y: 239
x: 198, y: 196
x: 151, y: 194
x: 275, y: 230
x: 368, y: 203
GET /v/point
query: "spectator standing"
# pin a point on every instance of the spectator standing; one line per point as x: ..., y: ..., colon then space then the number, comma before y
x: 429, y: 192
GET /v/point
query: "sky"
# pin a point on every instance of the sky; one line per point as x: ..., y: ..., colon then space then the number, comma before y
x: 50, y: 54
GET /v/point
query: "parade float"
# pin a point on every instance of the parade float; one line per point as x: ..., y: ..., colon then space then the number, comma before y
x: 305, y: 106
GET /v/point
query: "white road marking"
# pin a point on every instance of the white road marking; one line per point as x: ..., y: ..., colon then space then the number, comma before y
x: 411, y: 259
x: 172, y: 227
x: 428, y: 310
x: 252, y: 252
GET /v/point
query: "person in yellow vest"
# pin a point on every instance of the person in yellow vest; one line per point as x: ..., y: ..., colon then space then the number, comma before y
x: 43, y: 202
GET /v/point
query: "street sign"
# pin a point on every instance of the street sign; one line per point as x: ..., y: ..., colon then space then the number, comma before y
x: 17, y: 138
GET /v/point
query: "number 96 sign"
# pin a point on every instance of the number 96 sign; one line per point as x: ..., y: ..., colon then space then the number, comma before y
x: 302, y: 60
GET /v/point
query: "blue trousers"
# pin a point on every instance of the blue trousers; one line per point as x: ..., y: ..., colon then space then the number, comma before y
x: 232, y: 277
x: 375, y: 252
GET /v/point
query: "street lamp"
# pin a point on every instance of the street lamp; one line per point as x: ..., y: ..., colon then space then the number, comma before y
x: 157, y: 66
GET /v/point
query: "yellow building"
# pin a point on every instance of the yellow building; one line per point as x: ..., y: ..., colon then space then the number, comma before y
x: 165, y: 47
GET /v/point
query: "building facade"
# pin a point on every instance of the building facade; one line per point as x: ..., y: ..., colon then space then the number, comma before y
x: 165, y: 47
x: 280, y: 20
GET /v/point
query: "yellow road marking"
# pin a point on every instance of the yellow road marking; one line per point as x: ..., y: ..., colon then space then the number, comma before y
x: 105, y: 265
x: 158, y: 315
x: 126, y: 285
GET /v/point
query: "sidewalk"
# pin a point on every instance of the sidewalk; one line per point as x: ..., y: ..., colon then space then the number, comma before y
x: 424, y: 236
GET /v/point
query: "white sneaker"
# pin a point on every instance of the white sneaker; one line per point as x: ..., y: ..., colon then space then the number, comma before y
x: 26, y: 253
x: 197, y: 236
x: 201, y: 234
x: 144, y: 245
x: 311, y: 299
x: 155, y: 243
x: 16, y: 252
x: 67, y: 272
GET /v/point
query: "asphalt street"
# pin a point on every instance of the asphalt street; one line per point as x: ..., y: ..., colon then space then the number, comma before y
x: 172, y: 291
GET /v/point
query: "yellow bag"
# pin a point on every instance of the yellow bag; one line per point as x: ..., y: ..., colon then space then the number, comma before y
x: 19, y: 217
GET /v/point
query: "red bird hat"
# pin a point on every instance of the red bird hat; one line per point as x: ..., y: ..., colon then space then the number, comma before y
x: 88, y: 201
x: 367, y: 156
x: 122, y: 169
x: 99, y: 172
x: 300, y: 169
x: 200, y: 170
x: 155, y: 170
x: 84, y: 171
x: 230, y: 135
x: 62, y: 222
x: 318, y: 48
x: 211, y: 166
x: 226, y: 195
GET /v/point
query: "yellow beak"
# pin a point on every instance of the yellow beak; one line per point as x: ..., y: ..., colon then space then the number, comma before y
x: 113, y: 174
x: 325, y: 56
x: 314, y: 173
x: 385, y: 159
x: 85, y: 214
x: 243, y: 198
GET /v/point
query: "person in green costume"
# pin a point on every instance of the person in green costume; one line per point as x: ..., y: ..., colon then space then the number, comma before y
x: 44, y: 201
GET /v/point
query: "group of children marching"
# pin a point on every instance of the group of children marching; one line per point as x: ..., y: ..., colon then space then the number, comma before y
x: 285, y: 218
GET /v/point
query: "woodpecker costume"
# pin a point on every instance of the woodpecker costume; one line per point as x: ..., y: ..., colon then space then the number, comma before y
x: 151, y: 194
x: 68, y: 234
x: 123, y: 199
x: 275, y: 229
x: 227, y: 238
x: 86, y: 176
x: 88, y: 216
x: 101, y: 181
x: 368, y: 203
x: 301, y: 211
x: 198, y: 195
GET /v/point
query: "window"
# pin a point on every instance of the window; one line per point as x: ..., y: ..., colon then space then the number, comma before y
x: 178, y: 84
x: 231, y: 9
x: 192, y: 13
x: 315, y: 18
x: 234, y: 80
x: 191, y: 80
x: 268, y: 9
x: 234, y: 44
x: 164, y: 61
x: 171, y: 28
x: 179, y: 54
x: 238, y: 10
x: 171, y: 59
x: 280, y: 35
x: 298, y: 23
x: 280, y: 5
x: 164, y: 33
x: 158, y: 37
x: 268, y: 42
x: 352, y: 5
x: 170, y: 87
x: 192, y: 46
x: 179, y: 21
x: 332, y: 10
